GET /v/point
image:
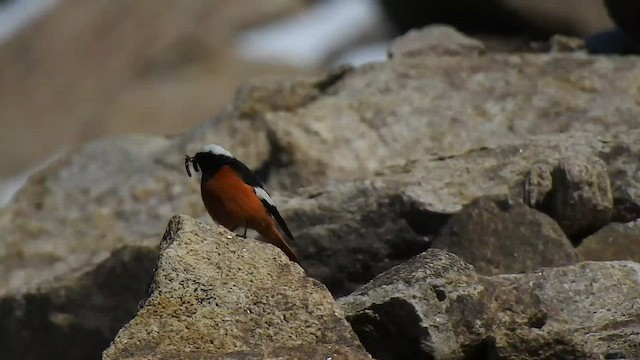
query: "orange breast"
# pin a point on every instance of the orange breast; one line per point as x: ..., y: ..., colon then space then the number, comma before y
x: 232, y: 203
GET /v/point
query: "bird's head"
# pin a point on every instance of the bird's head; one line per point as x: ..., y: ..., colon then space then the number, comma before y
x: 209, y: 160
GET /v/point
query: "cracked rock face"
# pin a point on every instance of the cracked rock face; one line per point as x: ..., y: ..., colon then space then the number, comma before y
x: 215, y: 294
x: 439, y: 308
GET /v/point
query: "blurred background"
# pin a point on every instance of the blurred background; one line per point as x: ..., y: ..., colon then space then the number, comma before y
x: 74, y: 70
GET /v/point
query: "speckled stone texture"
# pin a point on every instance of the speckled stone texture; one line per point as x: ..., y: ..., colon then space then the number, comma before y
x: 215, y: 293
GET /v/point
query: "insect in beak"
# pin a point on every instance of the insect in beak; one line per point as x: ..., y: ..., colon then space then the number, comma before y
x: 188, y: 159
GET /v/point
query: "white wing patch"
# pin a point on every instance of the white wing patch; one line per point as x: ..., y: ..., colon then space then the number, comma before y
x: 217, y: 150
x: 263, y: 195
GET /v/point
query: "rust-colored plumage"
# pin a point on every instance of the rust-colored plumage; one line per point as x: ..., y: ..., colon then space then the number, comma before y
x: 235, y: 198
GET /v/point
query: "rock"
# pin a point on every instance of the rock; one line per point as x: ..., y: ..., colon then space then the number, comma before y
x: 502, y: 236
x: 75, y: 262
x: 347, y: 234
x: 439, y: 308
x: 432, y: 41
x: 401, y: 331
x: 76, y: 315
x: 615, y: 241
x: 624, y: 180
x: 576, y: 192
x: 537, y: 186
x: 561, y: 43
x: 382, y: 114
x: 444, y: 184
x: 216, y: 294
x: 580, y: 199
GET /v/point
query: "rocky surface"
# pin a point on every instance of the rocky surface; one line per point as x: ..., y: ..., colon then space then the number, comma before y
x: 383, y: 114
x: 616, y: 241
x: 498, y: 235
x: 75, y: 316
x: 580, y: 198
x: 366, y: 165
x: 215, y: 294
x: 436, y: 307
x: 347, y: 234
x: 434, y: 40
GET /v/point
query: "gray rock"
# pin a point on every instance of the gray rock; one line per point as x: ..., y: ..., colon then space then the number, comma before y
x: 615, y: 241
x: 434, y: 40
x: 581, y: 199
x: 537, y: 185
x: 400, y: 314
x: 498, y: 235
x: 561, y: 43
x: 349, y: 233
x: 75, y: 315
x: 436, y: 307
x: 624, y: 177
x: 382, y: 114
x: 576, y: 192
x: 216, y: 294
x: 444, y: 184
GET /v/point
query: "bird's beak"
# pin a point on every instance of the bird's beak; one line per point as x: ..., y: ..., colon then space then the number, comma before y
x: 188, y: 159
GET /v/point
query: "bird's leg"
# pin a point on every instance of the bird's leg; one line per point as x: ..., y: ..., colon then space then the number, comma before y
x: 244, y: 234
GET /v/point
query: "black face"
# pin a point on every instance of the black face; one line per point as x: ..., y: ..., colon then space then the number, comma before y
x: 207, y: 162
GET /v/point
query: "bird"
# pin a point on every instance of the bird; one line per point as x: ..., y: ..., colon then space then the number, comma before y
x: 235, y: 197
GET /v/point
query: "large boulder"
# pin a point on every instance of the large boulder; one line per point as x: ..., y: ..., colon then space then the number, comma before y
x: 498, y: 235
x: 349, y: 233
x: 76, y: 314
x: 216, y: 295
x: 436, y: 307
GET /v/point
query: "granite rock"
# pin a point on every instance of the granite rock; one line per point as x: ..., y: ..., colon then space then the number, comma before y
x: 217, y: 294
x: 435, y: 306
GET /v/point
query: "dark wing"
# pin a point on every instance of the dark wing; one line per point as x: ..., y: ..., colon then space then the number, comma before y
x: 276, y: 215
x: 245, y: 173
x: 251, y: 179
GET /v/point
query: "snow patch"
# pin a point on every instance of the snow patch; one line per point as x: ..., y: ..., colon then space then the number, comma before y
x: 309, y: 38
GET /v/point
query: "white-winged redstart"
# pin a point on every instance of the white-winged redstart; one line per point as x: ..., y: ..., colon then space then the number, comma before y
x: 235, y: 197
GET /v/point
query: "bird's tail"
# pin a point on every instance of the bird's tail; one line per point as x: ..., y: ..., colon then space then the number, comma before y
x: 274, y: 237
